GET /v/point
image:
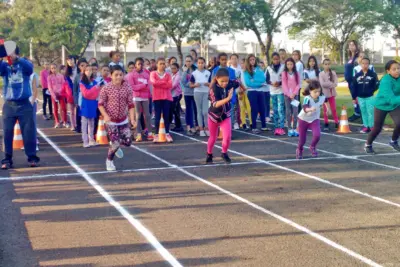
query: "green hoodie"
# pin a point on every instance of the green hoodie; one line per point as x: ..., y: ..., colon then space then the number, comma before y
x: 388, y: 97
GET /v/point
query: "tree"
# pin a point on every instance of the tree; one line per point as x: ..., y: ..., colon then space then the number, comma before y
x: 173, y: 18
x: 52, y: 24
x: 389, y: 14
x: 259, y: 16
x: 337, y: 21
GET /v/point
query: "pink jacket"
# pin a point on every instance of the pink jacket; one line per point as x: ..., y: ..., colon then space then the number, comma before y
x: 161, y: 86
x: 55, y: 83
x: 290, y: 83
x: 139, y: 83
x: 44, y: 74
x: 117, y: 101
x: 176, y: 85
x: 91, y: 93
x: 328, y: 87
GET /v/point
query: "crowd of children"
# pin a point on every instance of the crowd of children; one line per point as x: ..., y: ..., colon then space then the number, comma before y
x: 224, y: 93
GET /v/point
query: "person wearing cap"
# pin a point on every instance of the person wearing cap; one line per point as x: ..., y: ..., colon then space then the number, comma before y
x: 18, y: 107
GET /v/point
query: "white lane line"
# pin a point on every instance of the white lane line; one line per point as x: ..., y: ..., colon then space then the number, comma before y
x: 339, y: 136
x: 17, y: 178
x: 268, y: 212
x: 325, y: 151
x: 355, y: 191
x: 379, y: 155
x: 134, y: 222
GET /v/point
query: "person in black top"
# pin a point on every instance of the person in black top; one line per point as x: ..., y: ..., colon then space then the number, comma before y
x: 219, y: 113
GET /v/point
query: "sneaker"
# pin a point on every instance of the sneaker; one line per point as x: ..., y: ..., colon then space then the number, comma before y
x: 155, y: 139
x: 74, y: 130
x: 226, y: 158
x: 314, y: 152
x: 37, y: 148
x: 267, y: 119
x: 119, y: 153
x: 178, y: 129
x: 266, y: 129
x: 326, y: 127
x: 369, y: 149
x: 255, y: 131
x: 190, y: 133
x: 86, y: 145
x: 244, y: 127
x: 139, y: 138
x: 33, y: 164
x: 169, y: 138
x: 7, y: 165
x: 209, y: 159
x: 354, y: 117
x: 51, y: 117
x: 93, y: 143
x: 67, y: 125
x: 295, y: 133
x: 236, y: 126
x: 207, y: 132
x: 395, y: 145
x: 277, y: 131
x: 299, y: 154
x: 110, y: 165
x: 203, y: 134
x: 150, y: 137
x: 337, y: 125
x: 290, y: 133
x: 58, y: 125
x: 46, y: 118
x: 365, y: 130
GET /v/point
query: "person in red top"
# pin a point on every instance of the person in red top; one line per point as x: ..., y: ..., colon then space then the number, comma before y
x: 116, y: 101
x: 55, y: 82
x: 44, y: 74
x: 138, y: 79
x: 162, y: 97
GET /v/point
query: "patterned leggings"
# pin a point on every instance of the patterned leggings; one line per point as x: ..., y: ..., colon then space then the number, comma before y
x: 118, y: 134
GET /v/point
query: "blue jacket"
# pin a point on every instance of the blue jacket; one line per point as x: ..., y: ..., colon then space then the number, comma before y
x: 257, y: 80
x: 16, y: 79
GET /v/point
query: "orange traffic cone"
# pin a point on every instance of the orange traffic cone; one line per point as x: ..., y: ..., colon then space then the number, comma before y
x: 161, y: 132
x: 220, y: 137
x: 18, y: 142
x: 101, y: 135
x: 344, y: 122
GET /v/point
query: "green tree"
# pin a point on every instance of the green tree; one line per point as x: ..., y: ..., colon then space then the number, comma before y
x: 337, y: 21
x: 175, y: 19
x: 389, y: 14
x: 51, y: 24
x: 259, y: 16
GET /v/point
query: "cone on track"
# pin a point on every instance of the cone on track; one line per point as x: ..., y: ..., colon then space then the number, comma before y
x: 161, y: 132
x: 18, y: 142
x: 220, y: 137
x: 344, y: 122
x: 101, y: 135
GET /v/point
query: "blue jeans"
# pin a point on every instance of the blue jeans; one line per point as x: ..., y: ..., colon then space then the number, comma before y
x: 191, y: 111
x: 23, y: 112
x: 267, y: 98
x: 257, y: 104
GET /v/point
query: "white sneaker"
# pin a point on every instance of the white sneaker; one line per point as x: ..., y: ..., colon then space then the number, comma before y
x: 207, y: 133
x: 119, y: 153
x: 203, y: 134
x: 93, y: 143
x: 86, y: 145
x: 110, y: 165
x: 236, y: 126
x: 37, y: 148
